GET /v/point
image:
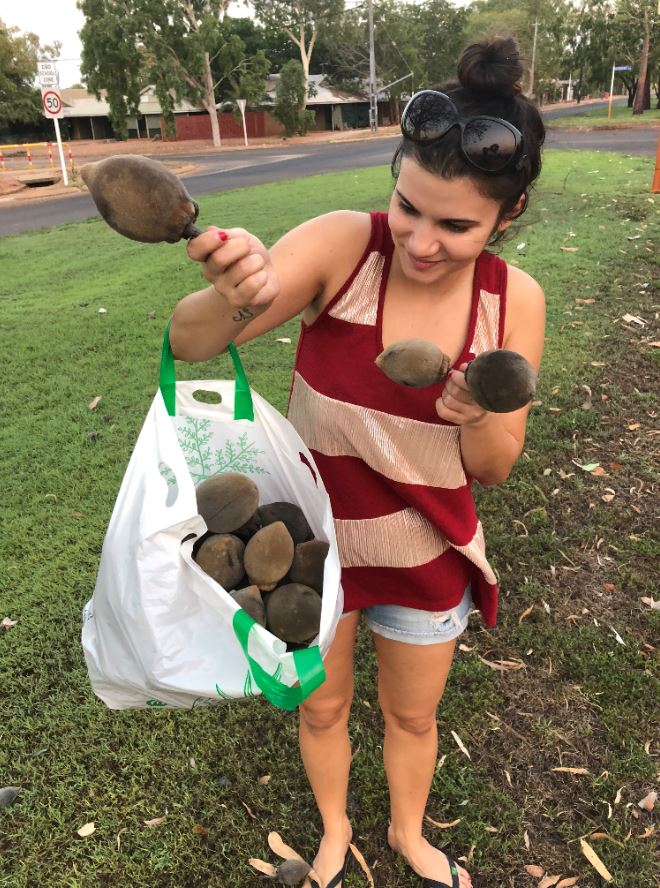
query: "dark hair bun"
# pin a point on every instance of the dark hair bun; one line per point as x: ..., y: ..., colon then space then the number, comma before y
x: 491, y: 67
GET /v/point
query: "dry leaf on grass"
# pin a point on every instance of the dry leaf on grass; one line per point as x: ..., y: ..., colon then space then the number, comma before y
x: 156, y: 821
x: 7, y: 623
x: 263, y: 781
x: 439, y: 825
x: 602, y: 835
x: 263, y: 867
x: 363, y: 864
x: 87, y: 829
x: 276, y: 844
x: 249, y: 810
x: 567, y: 883
x: 650, y: 831
x: 200, y: 830
x: 94, y: 403
x: 648, y: 802
x: 284, y: 339
x: 573, y: 770
x: 535, y: 871
x: 548, y: 881
x: 650, y: 602
x: 525, y: 613
x: 503, y: 665
x: 595, y: 861
x: 461, y: 745
x: 569, y: 249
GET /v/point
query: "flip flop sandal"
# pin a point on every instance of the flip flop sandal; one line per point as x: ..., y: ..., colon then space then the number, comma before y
x: 453, y: 869
x: 341, y: 875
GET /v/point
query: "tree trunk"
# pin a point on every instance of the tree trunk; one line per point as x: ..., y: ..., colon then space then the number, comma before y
x: 640, y: 94
x: 631, y: 92
x: 209, y: 101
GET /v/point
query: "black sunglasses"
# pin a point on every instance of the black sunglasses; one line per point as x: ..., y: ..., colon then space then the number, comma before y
x: 488, y: 143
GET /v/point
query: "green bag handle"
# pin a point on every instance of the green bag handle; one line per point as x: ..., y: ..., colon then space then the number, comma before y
x: 243, y: 407
x: 308, y: 663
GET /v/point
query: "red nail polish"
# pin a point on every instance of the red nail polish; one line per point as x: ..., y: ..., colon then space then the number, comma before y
x: 223, y: 236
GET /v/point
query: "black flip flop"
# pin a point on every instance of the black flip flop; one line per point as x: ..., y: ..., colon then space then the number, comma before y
x: 453, y: 869
x: 341, y: 875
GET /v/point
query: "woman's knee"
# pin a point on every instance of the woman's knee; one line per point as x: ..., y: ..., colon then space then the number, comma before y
x: 325, y: 715
x: 410, y: 722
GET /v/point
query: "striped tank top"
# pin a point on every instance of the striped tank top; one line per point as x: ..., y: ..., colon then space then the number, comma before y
x: 405, y: 518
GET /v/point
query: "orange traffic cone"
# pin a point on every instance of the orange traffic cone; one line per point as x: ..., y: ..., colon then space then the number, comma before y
x: 655, y: 187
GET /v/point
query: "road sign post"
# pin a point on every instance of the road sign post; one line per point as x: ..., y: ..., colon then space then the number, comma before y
x: 615, y: 67
x: 241, y: 104
x: 51, y: 101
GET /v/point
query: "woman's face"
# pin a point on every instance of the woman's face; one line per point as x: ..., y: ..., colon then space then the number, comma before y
x: 438, y: 225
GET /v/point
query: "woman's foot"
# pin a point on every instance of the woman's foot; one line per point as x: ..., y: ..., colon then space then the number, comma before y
x: 427, y: 861
x: 332, y: 853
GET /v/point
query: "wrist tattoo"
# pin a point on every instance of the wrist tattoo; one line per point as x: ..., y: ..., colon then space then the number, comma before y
x: 243, y: 314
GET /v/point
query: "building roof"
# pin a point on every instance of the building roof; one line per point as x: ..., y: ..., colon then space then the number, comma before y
x: 326, y: 94
x: 80, y: 103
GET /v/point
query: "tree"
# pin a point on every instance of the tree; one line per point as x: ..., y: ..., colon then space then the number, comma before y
x: 302, y: 21
x: 20, y: 102
x: 111, y: 60
x: 178, y: 46
x: 291, y: 99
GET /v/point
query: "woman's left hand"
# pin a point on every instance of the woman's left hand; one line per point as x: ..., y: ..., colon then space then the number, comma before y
x: 456, y: 404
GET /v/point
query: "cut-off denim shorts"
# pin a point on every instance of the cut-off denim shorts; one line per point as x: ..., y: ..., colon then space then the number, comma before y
x: 415, y: 626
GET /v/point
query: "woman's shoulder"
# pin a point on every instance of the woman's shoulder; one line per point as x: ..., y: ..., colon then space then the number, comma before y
x: 525, y: 303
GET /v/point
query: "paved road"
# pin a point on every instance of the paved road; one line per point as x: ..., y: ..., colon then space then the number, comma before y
x: 237, y: 169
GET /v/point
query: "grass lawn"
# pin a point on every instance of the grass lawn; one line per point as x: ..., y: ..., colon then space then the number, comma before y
x: 622, y: 116
x: 574, y: 546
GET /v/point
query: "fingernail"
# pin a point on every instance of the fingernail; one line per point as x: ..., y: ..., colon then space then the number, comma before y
x: 223, y: 235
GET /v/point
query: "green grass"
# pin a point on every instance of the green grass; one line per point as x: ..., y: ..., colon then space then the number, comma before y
x: 581, y: 564
x: 621, y: 116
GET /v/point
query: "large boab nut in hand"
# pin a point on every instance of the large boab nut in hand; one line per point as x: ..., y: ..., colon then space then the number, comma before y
x: 268, y: 556
x: 221, y: 557
x: 501, y: 380
x: 293, y: 612
x: 227, y: 501
x: 414, y: 362
x: 141, y: 199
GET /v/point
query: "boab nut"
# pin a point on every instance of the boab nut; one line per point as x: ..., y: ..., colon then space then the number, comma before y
x: 140, y: 198
x: 227, y: 501
x: 292, y: 516
x: 268, y: 555
x: 293, y: 612
x: 221, y: 557
x: 501, y: 380
x: 251, y: 601
x: 414, y: 362
x: 308, y: 562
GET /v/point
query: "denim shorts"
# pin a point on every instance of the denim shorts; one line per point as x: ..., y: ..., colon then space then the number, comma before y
x: 415, y: 626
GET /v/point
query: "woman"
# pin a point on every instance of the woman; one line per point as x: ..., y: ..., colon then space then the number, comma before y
x: 398, y: 463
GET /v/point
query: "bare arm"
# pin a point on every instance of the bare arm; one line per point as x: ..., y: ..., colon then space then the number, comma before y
x: 492, y: 442
x: 253, y: 290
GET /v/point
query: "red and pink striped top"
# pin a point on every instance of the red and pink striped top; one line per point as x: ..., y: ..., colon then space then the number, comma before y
x: 405, y: 518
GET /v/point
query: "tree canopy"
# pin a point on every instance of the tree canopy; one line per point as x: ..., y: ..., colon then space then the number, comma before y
x: 20, y: 101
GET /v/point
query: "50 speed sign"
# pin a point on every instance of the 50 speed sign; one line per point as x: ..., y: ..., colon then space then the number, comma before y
x: 52, y: 102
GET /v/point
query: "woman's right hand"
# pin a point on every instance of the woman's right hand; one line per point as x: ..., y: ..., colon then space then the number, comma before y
x: 238, y: 267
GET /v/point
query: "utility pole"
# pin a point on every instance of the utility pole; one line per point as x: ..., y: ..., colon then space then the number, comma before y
x: 373, y: 102
x: 532, y: 66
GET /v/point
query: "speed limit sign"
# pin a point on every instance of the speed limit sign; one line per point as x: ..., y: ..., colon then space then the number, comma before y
x: 52, y: 102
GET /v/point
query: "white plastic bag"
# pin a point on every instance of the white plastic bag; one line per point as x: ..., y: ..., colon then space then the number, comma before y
x: 158, y: 631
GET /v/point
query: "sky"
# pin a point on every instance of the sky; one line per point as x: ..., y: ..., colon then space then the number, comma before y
x: 61, y: 20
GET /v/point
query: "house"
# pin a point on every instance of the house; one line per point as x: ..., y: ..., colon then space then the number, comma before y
x: 334, y: 108
x: 87, y: 117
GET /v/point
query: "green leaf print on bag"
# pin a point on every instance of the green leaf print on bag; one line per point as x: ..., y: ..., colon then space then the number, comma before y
x: 239, y: 455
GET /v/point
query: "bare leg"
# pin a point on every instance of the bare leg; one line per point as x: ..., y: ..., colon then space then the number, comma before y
x: 325, y: 748
x: 411, y: 681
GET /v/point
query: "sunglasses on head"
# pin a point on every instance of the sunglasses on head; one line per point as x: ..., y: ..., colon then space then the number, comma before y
x: 488, y: 143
